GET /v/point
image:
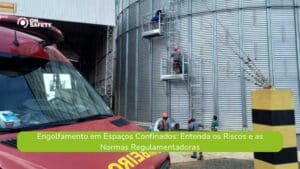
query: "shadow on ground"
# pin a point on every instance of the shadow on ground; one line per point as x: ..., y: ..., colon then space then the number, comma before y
x: 224, y: 163
x: 215, y: 164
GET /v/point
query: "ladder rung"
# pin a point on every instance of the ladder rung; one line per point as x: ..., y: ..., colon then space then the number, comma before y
x: 197, y: 109
x: 193, y: 85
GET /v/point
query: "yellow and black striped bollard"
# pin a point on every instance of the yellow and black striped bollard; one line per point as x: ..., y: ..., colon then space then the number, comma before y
x: 273, y: 110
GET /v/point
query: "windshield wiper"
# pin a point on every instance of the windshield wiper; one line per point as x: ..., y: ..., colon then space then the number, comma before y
x: 69, y: 122
x: 55, y: 124
x: 73, y: 121
x: 6, y: 131
x: 35, y: 127
x: 94, y: 117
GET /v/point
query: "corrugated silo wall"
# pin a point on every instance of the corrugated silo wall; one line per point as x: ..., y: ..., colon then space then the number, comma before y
x: 211, y: 33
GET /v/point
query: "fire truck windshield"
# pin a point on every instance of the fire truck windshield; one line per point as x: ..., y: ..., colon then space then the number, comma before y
x: 37, y: 92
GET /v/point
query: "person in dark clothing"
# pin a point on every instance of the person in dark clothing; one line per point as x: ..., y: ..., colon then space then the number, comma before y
x: 164, y: 124
x: 155, y: 19
x: 215, y: 123
x: 195, y: 126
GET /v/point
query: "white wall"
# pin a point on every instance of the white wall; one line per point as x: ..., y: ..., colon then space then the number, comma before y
x: 100, y: 12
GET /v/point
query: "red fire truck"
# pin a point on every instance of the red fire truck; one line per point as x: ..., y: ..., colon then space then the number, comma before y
x: 41, y: 90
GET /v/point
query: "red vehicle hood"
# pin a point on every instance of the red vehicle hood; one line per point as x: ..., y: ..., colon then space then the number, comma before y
x: 11, y: 158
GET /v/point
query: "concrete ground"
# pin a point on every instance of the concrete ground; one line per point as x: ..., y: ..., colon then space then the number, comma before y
x: 213, y: 161
x: 185, y: 157
x: 215, y: 164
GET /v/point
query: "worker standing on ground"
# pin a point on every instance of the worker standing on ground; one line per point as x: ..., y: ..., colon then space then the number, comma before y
x: 164, y: 124
x: 176, y: 56
x: 195, y: 126
x: 215, y: 123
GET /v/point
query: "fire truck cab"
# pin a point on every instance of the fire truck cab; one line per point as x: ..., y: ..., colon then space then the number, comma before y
x: 41, y: 90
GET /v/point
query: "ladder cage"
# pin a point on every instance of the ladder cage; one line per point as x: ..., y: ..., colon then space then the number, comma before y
x: 173, y: 34
x: 175, y: 67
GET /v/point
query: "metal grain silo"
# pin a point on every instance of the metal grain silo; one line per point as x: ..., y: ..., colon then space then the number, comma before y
x: 213, y: 35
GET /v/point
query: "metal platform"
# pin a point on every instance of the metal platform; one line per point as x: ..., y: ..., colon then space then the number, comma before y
x: 173, y: 77
x: 152, y: 28
x: 152, y: 33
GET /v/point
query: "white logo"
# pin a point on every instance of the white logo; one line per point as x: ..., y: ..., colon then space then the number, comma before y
x: 32, y: 23
x: 23, y: 22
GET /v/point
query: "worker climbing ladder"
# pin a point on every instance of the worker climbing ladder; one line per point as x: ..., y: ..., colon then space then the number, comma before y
x: 169, y: 27
x: 174, y: 48
x: 166, y: 23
